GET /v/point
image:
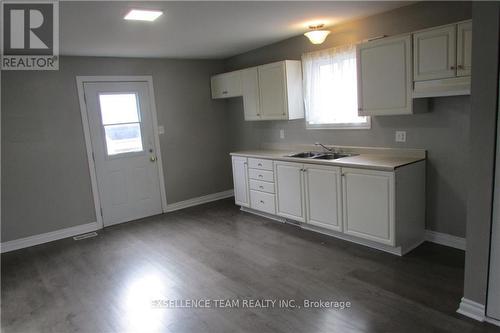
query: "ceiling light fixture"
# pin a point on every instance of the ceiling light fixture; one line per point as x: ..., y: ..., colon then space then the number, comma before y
x: 143, y: 15
x: 316, y: 35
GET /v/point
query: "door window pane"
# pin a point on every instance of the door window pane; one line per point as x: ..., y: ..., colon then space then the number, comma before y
x: 124, y: 138
x: 118, y: 108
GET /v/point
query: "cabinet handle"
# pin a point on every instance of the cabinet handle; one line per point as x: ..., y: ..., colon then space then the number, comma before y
x: 360, y: 109
x: 460, y: 67
x: 260, y: 164
x: 452, y: 67
x: 260, y: 176
x: 224, y: 92
x: 260, y: 186
x: 262, y: 202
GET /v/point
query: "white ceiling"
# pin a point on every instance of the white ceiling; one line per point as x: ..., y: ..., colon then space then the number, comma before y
x: 191, y: 29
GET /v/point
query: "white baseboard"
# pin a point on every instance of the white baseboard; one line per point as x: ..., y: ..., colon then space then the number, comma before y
x: 471, y: 309
x: 93, y: 226
x: 445, y: 239
x: 492, y: 321
x: 199, y: 200
x: 48, y: 237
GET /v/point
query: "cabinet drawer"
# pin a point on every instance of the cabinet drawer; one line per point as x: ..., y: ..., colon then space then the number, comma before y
x: 257, y: 163
x: 262, y: 186
x: 257, y: 174
x: 262, y: 201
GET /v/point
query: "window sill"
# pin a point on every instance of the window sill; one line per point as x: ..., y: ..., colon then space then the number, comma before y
x: 339, y: 126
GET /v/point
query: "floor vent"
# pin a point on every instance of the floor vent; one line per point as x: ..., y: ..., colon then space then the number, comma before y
x: 87, y: 235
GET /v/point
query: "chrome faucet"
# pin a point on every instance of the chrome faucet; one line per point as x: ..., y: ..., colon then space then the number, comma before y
x: 331, y: 150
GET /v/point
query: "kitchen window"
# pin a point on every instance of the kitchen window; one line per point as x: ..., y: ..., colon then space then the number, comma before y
x: 330, y: 89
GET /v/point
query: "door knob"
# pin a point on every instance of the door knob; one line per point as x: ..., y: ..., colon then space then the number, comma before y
x: 153, y: 158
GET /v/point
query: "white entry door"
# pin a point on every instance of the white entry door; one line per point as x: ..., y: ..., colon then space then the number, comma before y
x: 123, y: 145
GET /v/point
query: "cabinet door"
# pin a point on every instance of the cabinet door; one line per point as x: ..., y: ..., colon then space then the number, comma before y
x: 250, y: 89
x: 434, y: 53
x: 289, y: 190
x: 464, y: 48
x: 368, y: 204
x: 272, y: 90
x: 240, y: 180
x: 323, y: 196
x: 384, y: 77
x: 226, y: 85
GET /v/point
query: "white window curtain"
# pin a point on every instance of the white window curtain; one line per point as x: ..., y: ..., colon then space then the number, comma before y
x: 330, y: 89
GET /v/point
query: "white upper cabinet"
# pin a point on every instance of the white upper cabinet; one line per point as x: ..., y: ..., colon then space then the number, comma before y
x: 240, y: 180
x: 442, y: 60
x: 434, y: 53
x: 250, y: 90
x: 323, y: 196
x: 385, y: 77
x: 289, y: 190
x: 272, y: 89
x: 226, y: 85
x: 369, y: 204
x: 280, y: 89
x: 464, y: 48
x: 270, y: 92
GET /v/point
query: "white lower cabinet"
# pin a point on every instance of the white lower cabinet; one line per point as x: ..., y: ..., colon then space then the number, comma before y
x: 323, y: 196
x: 240, y: 181
x: 289, y: 190
x: 381, y: 209
x: 368, y: 198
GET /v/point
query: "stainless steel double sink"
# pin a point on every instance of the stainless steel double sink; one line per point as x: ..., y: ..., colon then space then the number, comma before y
x: 320, y: 155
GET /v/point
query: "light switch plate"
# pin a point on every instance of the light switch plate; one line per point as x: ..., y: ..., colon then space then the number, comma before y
x: 282, y: 133
x: 161, y: 129
x: 400, y: 136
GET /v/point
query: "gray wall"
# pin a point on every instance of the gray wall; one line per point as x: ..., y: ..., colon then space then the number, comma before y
x: 444, y: 131
x: 45, y: 176
x: 483, y: 119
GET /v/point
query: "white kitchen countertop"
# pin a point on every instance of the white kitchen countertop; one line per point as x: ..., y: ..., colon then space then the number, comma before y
x: 379, y: 161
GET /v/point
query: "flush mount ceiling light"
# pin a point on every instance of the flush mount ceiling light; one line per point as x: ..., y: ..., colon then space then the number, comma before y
x: 316, y: 35
x: 143, y: 15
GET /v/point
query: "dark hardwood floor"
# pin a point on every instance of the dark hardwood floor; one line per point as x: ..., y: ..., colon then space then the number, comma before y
x: 109, y: 283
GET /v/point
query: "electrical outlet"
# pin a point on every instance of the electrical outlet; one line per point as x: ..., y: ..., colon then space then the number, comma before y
x: 161, y: 129
x: 282, y: 133
x: 400, y: 136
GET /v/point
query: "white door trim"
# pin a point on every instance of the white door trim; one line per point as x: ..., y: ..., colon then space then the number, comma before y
x: 80, y: 80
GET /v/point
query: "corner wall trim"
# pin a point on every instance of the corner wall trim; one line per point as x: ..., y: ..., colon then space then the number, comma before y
x: 199, y: 200
x: 471, y: 309
x: 21, y: 243
x: 445, y: 239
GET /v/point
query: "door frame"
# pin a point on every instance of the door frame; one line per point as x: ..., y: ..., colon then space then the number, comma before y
x: 495, y: 223
x: 80, y: 81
